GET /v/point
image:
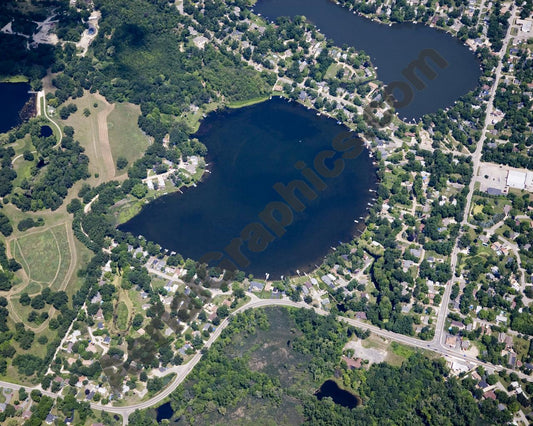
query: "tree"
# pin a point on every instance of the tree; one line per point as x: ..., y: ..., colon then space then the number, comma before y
x: 121, y: 163
x: 24, y: 299
x: 5, y: 225
x: 22, y: 394
x: 74, y: 206
x: 139, y: 190
x: 222, y: 311
x: 137, y: 321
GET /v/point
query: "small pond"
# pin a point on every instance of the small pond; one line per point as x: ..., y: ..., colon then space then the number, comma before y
x: 164, y: 411
x: 46, y: 131
x: 339, y: 396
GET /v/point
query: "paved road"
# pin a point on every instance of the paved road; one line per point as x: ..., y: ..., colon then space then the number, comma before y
x: 435, y: 345
x: 476, y: 159
x: 183, y: 371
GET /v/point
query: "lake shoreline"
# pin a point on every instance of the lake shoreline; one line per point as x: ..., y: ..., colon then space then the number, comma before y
x: 346, y: 202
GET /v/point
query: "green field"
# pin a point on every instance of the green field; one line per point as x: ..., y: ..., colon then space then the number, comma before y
x: 125, y: 137
x: 88, y: 134
x: 44, y: 255
x: 122, y: 316
x: 33, y: 288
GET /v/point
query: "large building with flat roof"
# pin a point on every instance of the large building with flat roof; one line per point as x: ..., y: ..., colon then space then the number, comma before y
x: 516, y: 179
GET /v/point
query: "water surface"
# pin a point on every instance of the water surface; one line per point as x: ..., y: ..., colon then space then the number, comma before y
x: 164, y: 411
x: 339, y: 396
x: 13, y: 96
x: 46, y: 131
x: 250, y: 150
x: 391, y: 48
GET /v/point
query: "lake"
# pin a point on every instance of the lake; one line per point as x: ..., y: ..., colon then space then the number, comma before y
x: 330, y: 389
x: 250, y: 150
x: 46, y: 131
x: 391, y: 49
x: 13, y: 96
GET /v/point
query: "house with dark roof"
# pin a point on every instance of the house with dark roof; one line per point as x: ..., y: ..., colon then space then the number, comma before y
x: 256, y: 286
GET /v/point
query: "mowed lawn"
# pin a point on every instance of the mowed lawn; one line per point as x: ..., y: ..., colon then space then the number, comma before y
x: 122, y: 316
x: 125, y: 137
x: 45, y: 255
x: 87, y: 132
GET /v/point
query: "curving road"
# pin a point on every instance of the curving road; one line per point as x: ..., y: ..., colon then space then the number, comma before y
x: 435, y: 345
x: 183, y: 371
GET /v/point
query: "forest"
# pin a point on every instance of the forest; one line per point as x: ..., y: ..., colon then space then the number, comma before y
x: 236, y: 375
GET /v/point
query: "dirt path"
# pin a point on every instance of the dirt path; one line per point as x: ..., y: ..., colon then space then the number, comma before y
x: 101, y: 146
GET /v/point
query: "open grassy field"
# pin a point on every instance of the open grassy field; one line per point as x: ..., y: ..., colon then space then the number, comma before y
x: 45, y: 255
x: 39, y: 254
x: 122, y: 316
x: 92, y: 134
x: 125, y: 137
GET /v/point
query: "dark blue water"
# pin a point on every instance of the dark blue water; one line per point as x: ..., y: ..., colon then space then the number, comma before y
x: 339, y: 396
x: 13, y: 96
x: 164, y: 411
x: 46, y: 131
x: 391, y: 49
x: 250, y: 150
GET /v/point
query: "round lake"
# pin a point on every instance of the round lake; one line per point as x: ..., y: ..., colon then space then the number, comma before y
x: 392, y: 49
x: 46, y: 131
x: 14, y: 96
x: 278, y: 231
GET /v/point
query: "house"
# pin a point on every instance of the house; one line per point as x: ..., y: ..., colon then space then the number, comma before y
x: 494, y: 191
x: 97, y: 298
x: 50, y: 418
x: 416, y: 252
x: 352, y: 363
x: 458, y: 324
x: 360, y: 315
x: 490, y: 395
x: 100, y: 326
x: 451, y: 341
x: 512, y: 359
x: 2, y: 407
x: 406, y: 264
x: 107, y: 340
x: 327, y: 280
x: 183, y: 350
x: 256, y: 286
x: 501, y: 318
